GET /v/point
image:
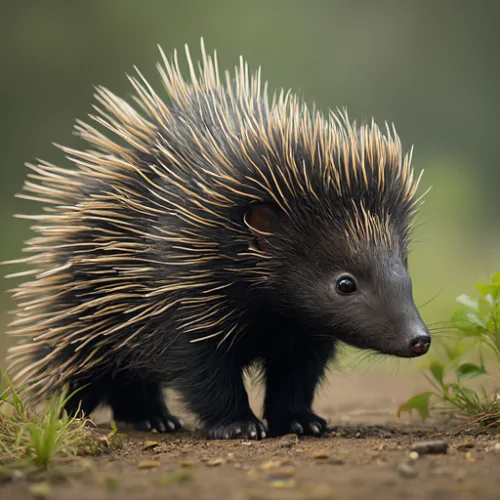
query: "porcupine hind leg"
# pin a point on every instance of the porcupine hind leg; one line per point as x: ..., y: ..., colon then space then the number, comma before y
x: 292, y: 375
x: 141, y: 402
x: 132, y: 400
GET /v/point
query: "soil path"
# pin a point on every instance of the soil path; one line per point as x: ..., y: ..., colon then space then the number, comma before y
x: 368, y: 456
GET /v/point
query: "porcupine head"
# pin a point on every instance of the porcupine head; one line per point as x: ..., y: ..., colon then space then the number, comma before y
x: 223, y: 206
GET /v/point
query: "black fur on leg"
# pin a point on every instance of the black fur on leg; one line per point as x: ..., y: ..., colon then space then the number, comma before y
x: 213, y: 389
x: 209, y: 377
x: 292, y: 375
x: 141, y: 403
x: 132, y: 399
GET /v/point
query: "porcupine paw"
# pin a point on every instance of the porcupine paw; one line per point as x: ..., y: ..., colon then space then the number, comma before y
x: 251, y: 428
x: 304, y: 423
x: 161, y: 422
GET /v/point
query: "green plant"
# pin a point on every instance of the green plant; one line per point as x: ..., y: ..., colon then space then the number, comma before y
x: 457, y: 378
x: 31, y: 437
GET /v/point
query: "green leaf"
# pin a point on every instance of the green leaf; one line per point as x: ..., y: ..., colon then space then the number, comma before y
x: 489, y: 291
x: 476, y: 319
x: 467, y: 301
x: 419, y: 402
x: 437, y: 370
x: 470, y: 323
x: 470, y: 370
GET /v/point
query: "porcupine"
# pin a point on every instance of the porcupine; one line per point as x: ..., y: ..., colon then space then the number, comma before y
x: 222, y: 231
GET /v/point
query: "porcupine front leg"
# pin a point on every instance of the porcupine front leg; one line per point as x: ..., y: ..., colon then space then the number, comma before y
x: 213, y: 389
x: 292, y: 375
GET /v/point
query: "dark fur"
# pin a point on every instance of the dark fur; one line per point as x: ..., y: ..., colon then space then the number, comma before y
x: 288, y: 324
x: 210, y: 380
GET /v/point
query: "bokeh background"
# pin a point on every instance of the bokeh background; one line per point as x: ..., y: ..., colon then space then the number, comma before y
x: 431, y: 67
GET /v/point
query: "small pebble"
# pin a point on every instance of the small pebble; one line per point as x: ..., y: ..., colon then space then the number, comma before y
x: 41, y: 491
x: 406, y: 470
x: 216, y: 462
x: 430, y: 447
x: 269, y: 465
x: 320, y: 455
x: 470, y: 459
x: 149, y: 445
x: 289, y: 440
x: 496, y: 449
x: 466, y: 445
x: 414, y: 455
x: 148, y: 464
x: 287, y: 471
x: 188, y: 464
x: 282, y: 483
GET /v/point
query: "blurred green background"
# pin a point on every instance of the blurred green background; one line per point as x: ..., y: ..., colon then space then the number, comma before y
x: 431, y: 67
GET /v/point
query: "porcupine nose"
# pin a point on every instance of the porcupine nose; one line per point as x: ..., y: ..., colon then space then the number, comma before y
x: 420, y: 345
x: 420, y: 339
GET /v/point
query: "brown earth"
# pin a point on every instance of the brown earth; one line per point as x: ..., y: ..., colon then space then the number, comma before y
x: 367, y: 456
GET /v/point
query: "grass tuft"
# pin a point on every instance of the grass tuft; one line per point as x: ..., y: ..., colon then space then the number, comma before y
x: 31, y: 439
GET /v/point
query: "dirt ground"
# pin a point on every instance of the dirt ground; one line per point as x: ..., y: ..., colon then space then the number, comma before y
x: 366, y: 456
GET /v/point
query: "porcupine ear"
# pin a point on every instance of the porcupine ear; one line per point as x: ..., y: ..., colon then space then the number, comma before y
x: 262, y: 219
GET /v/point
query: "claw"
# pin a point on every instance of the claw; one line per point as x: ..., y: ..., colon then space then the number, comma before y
x: 162, y: 423
x: 301, y: 423
x: 143, y: 425
x: 241, y: 429
x: 296, y: 428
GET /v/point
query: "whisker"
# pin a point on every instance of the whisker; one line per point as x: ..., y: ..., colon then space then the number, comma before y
x: 433, y: 298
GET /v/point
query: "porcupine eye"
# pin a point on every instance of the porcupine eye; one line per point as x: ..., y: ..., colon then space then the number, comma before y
x: 346, y: 285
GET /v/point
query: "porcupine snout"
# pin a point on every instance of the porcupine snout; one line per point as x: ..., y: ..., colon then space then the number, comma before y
x: 405, y: 335
x: 410, y: 338
x: 419, y: 337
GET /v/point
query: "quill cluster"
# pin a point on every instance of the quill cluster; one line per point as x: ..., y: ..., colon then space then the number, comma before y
x: 190, y: 231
